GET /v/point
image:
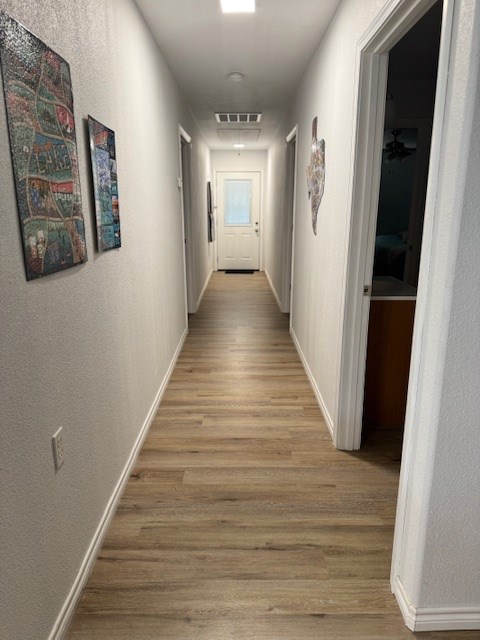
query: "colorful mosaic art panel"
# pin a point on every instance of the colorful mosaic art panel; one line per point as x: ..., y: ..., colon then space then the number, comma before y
x: 105, y: 185
x: 39, y: 101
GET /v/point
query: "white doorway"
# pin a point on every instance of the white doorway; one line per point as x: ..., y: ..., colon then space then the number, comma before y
x: 372, y: 88
x: 393, y: 268
x: 291, y: 174
x: 372, y: 64
x: 185, y: 186
x: 238, y: 220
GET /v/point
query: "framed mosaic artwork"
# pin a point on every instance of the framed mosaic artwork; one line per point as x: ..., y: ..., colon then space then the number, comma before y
x: 105, y: 185
x: 41, y: 124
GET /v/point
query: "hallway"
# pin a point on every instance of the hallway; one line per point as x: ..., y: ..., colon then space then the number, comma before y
x: 240, y: 519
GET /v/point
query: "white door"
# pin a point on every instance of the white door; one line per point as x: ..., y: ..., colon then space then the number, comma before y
x: 238, y: 215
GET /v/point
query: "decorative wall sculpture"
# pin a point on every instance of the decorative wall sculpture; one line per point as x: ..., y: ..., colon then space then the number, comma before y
x: 105, y: 185
x: 39, y: 102
x: 316, y: 174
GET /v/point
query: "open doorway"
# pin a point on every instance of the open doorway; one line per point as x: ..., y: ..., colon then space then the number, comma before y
x: 410, y: 103
x: 373, y: 65
x: 185, y: 185
x: 290, y: 181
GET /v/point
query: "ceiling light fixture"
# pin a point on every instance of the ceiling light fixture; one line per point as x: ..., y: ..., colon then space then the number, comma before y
x: 239, y: 145
x: 236, y: 76
x: 396, y: 151
x: 238, y: 6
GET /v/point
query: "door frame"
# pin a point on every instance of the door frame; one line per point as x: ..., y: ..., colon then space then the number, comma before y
x: 260, y: 217
x: 396, y: 18
x: 290, y: 234
x: 187, y: 236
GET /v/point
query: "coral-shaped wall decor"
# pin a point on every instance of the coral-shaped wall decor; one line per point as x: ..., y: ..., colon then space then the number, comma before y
x: 316, y: 174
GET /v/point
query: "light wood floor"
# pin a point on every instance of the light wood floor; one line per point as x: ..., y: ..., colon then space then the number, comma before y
x: 240, y: 520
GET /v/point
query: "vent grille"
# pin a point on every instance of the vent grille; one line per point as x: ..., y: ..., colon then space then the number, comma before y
x: 235, y: 118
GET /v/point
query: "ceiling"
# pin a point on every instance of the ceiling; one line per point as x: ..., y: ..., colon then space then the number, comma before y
x: 271, y: 47
x: 416, y: 55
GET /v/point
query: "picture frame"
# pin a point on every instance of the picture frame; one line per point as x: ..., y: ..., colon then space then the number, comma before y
x: 105, y: 184
x: 41, y: 125
x: 210, y: 217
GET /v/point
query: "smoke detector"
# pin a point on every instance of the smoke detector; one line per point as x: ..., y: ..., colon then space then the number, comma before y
x: 236, y: 76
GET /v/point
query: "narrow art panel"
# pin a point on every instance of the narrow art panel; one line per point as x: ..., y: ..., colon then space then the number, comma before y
x: 210, y: 218
x: 105, y: 185
x: 39, y: 102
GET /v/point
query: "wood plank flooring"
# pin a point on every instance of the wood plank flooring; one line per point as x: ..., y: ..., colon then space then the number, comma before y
x: 241, y: 521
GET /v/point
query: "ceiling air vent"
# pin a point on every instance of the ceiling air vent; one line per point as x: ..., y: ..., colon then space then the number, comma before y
x: 235, y: 118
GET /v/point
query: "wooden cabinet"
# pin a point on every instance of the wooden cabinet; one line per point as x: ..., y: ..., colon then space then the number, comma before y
x: 388, y: 361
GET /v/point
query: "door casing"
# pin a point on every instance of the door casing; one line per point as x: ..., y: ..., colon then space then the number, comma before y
x: 291, y: 139
x: 185, y: 188
x: 397, y: 17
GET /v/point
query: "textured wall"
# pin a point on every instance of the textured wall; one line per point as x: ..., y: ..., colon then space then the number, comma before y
x: 327, y: 91
x: 243, y: 161
x: 86, y: 349
x: 438, y: 555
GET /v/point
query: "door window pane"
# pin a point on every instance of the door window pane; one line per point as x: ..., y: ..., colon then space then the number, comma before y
x: 238, y: 210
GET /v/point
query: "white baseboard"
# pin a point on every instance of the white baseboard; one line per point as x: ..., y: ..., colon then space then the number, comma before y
x: 406, y: 607
x: 274, y: 291
x: 202, y: 293
x: 316, y: 390
x: 61, y: 624
x: 435, y: 619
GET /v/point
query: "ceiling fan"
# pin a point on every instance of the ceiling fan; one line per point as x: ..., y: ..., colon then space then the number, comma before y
x: 396, y: 150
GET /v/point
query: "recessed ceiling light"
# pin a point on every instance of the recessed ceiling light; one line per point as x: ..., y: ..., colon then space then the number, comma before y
x: 238, y: 6
x: 239, y: 145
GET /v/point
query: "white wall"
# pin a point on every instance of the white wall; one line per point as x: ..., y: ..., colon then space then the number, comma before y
x: 87, y: 349
x: 437, y: 560
x: 244, y: 161
x: 235, y: 161
x: 327, y: 90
